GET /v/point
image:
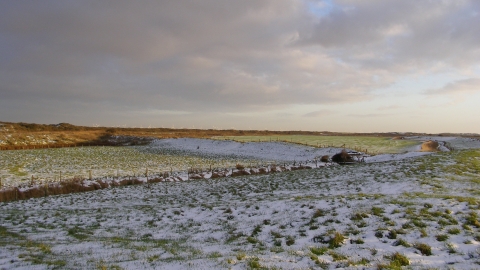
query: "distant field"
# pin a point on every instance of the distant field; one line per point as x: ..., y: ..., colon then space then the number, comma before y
x: 49, y: 164
x: 374, y: 145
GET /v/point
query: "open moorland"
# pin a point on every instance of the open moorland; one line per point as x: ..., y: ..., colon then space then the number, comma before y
x: 399, y: 208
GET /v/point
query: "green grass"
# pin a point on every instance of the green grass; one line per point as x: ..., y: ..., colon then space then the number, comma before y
x: 425, y: 249
x: 318, y: 250
x: 377, y: 145
x: 441, y: 237
x: 47, y: 164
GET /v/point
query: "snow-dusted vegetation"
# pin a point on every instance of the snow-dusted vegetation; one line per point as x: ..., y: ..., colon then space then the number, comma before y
x: 404, y: 210
x: 51, y: 165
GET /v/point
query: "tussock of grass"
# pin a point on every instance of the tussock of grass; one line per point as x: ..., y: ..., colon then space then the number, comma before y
x: 401, y: 242
x: 397, y: 259
x: 377, y: 211
x: 337, y: 256
x: 318, y: 250
x: 337, y: 240
x: 441, y: 237
x: 425, y: 249
x: 454, y: 231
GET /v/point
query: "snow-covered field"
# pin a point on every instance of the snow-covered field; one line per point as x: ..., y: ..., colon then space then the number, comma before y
x: 415, y: 208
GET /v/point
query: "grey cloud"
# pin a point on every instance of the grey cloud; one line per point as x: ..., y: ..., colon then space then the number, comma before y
x: 461, y: 86
x: 390, y: 107
x: 400, y: 35
x: 319, y: 113
x: 371, y: 115
x: 219, y: 56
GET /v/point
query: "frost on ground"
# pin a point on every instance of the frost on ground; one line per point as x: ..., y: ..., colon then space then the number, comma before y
x: 418, y: 212
x: 273, y: 151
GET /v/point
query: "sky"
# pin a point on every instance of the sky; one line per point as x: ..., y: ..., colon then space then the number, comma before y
x: 319, y: 65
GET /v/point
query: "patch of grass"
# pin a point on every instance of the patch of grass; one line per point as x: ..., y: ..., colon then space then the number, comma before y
x: 276, y: 234
x: 472, y: 219
x: 377, y: 211
x: 419, y: 223
x: 254, y: 263
x: 256, y: 230
x: 401, y: 242
x: 337, y: 240
x: 318, y: 213
x: 337, y: 256
x: 450, y: 248
x: 454, y: 231
x: 357, y: 241
x: 321, y: 263
x: 252, y: 240
x: 241, y: 255
x: 362, y: 261
x: 79, y: 233
x: 392, y: 234
x: 318, y: 250
x: 441, y: 237
x: 153, y: 258
x: 425, y: 249
x: 358, y: 216
x: 398, y: 260
x: 290, y: 240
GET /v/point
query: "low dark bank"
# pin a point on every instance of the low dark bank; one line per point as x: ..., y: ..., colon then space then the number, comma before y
x: 18, y: 136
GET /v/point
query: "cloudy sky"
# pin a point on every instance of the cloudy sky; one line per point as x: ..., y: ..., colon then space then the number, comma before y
x: 336, y: 65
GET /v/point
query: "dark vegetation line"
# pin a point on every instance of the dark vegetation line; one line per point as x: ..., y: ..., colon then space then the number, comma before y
x: 67, y: 135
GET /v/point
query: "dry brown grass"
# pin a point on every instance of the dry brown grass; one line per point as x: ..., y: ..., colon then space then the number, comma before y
x: 430, y: 146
